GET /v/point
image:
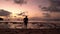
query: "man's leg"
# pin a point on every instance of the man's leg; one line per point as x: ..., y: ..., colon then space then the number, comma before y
x: 25, y: 23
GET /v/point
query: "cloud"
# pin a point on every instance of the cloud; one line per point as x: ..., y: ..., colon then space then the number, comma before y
x: 56, y: 2
x: 35, y: 19
x: 20, y: 1
x: 54, y: 6
x: 4, y: 12
x: 22, y: 14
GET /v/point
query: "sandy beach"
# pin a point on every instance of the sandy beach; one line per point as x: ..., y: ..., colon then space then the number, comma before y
x: 29, y: 31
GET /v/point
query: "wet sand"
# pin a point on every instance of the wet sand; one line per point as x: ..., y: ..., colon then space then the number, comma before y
x: 29, y: 31
x: 32, y: 31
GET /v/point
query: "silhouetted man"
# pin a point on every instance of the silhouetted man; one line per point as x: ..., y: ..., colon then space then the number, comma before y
x: 25, y: 21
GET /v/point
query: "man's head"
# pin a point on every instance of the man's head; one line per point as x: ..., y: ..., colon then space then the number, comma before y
x: 26, y: 16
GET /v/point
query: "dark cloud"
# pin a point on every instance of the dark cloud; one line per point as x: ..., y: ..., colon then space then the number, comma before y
x: 55, y: 2
x: 23, y: 14
x: 4, y: 12
x: 20, y: 1
x: 54, y: 6
x: 35, y: 19
x: 44, y: 8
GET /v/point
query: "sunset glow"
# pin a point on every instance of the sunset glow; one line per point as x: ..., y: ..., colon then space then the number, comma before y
x: 31, y: 8
x: 16, y: 9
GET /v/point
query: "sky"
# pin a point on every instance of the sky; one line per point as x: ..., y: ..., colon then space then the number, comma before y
x: 29, y: 7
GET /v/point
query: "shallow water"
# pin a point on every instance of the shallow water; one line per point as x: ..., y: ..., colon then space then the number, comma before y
x: 30, y: 25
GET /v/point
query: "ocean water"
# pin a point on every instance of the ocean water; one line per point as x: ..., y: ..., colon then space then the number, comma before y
x: 30, y: 25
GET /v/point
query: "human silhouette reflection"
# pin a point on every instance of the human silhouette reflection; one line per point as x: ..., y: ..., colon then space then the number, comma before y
x: 25, y: 21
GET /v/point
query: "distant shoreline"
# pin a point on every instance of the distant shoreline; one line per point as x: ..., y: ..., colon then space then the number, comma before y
x: 34, y: 21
